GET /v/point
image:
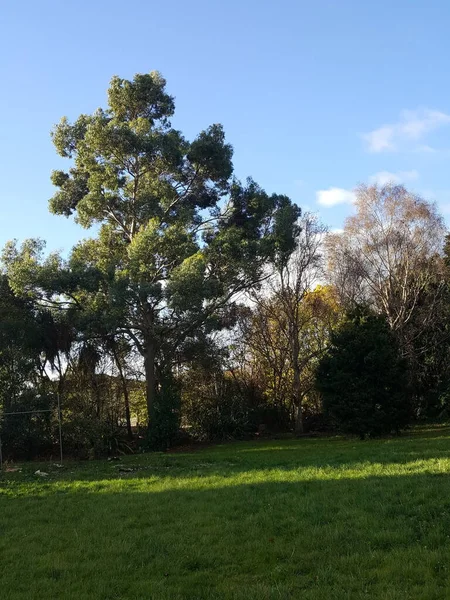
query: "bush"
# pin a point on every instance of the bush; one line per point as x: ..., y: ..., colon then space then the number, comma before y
x: 25, y: 436
x: 86, y: 437
x: 165, y: 418
x: 215, y: 407
x: 216, y: 416
x: 362, y: 378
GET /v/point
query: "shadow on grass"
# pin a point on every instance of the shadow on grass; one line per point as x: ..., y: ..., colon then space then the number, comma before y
x: 378, y: 537
x: 329, y: 458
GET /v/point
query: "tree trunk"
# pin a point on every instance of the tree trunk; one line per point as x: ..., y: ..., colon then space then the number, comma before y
x: 126, y: 396
x: 299, y: 420
x: 150, y: 377
x: 297, y: 392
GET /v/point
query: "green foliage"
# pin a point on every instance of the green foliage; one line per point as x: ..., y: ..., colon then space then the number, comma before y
x: 179, y: 241
x: 25, y: 336
x: 429, y: 371
x: 178, y: 237
x: 164, y: 421
x: 87, y: 438
x: 93, y: 418
x: 27, y: 436
x: 217, y: 405
x: 362, y: 378
x: 266, y: 351
x: 215, y: 409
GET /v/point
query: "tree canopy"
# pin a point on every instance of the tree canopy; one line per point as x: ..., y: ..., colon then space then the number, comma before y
x: 202, y: 306
x: 178, y: 237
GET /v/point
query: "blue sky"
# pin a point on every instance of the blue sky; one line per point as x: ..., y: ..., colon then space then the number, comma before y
x: 314, y: 96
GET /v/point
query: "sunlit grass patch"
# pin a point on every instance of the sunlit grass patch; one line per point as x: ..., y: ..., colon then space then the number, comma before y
x: 313, y: 518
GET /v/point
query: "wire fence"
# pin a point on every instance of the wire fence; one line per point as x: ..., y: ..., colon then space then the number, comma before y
x: 31, y: 412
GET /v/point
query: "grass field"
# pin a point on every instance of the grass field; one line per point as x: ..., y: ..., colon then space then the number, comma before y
x: 308, y: 519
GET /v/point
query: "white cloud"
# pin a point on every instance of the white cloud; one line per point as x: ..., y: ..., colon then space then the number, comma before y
x: 384, y: 177
x: 416, y: 123
x: 334, y: 196
x: 380, y: 139
x: 430, y: 195
x: 412, y: 127
x: 424, y: 148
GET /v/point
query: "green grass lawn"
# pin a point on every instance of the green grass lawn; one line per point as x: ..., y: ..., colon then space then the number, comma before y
x: 310, y: 519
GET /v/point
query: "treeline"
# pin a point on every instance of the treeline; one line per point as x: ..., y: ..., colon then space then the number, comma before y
x: 204, y: 308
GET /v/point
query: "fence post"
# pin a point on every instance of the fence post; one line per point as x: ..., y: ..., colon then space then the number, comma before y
x: 60, y: 431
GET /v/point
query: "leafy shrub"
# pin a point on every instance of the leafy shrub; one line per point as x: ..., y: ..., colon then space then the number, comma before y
x: 362, y: 378
x: 165, y: 418
x: 25, y: 436
x: 217, y: 416
x: 84, y: 437
x: 215, y: 406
